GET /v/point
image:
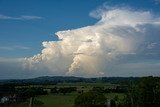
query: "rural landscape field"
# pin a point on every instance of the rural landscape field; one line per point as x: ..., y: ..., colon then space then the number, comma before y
x: 79, y: 53
x: 81, y: 92
x: 67, y: 99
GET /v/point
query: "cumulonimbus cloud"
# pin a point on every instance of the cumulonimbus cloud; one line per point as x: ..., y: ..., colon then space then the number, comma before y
x: 90, y: 50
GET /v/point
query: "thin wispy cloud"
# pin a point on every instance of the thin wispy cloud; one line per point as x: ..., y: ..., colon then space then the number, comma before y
x: 152, y: 45
x: 23, y: 17
x: 157, y: 1
x: 16, y: 47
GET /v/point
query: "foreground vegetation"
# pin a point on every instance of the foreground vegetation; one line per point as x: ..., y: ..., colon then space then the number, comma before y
x: 53, y: 100
x: 143, y: 92
x: 61, y: 100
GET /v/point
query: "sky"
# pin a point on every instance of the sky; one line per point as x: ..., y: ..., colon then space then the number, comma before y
x: 88, y: 38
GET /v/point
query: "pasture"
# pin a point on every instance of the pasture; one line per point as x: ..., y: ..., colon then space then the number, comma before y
x: 67, y: 99
x: 60, y: 100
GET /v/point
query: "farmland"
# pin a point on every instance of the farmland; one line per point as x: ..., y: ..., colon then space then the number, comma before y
x: 67, y: 100
x: 73, y: 92
x: 59, y: 91
x: 60, y: 100
x: 53, y: 100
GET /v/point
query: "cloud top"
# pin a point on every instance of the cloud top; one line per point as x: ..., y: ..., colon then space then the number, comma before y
x: 93, y: 50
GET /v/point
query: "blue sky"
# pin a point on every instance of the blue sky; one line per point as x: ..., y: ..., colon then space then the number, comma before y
x: 56, y: 16
x: 125, y: 38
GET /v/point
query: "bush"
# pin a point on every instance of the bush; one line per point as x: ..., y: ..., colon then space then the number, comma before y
x: 91, y: 99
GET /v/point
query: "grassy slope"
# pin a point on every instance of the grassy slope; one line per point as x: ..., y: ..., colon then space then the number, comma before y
x: 58, y: 100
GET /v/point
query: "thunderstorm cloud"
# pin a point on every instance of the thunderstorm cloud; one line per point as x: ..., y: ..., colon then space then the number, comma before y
x: 93, y: 50
x: 124, y: 42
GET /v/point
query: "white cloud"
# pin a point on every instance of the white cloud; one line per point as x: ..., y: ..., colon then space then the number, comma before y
x: 152, y: 45
x: 12, y: 68
x: 24, y: 17
x: 119, y: 44
x: 92, y: 50
x: 16, y: 47
x: 137, y: 69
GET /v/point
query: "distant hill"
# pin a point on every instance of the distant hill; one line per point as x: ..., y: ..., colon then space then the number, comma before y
x: 68, y: 79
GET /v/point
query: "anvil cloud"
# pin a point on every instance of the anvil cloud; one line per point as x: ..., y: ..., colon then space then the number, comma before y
x: 120, y: 36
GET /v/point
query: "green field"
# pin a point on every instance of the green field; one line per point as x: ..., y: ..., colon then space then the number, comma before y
x: 60, y: 100
x: 67, y: 100
x: 53, y: 100
x: 112, y: 95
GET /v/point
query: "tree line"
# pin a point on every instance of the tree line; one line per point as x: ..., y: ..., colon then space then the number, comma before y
x: 144, y: 93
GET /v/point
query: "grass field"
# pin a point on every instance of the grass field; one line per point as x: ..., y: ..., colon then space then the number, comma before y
x: 112, y: 95
x: 67, y: 100
x: 60, y: 100
x: 53, y: 100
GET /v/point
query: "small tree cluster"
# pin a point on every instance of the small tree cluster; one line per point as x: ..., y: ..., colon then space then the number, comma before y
x: 91, y: 99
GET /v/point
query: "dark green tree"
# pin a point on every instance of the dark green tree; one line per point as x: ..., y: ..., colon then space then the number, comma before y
x: 145, y: 94
x: 149, y: 92
x: 91, y: 99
